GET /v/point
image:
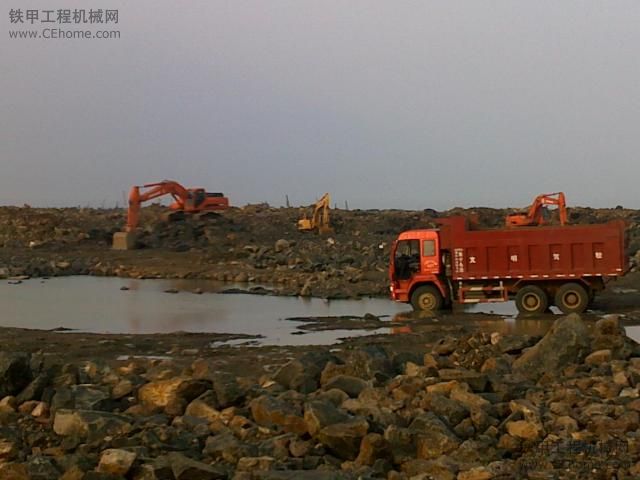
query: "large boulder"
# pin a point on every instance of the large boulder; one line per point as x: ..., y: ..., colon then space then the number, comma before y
x: 319, y: 414
x: 343, y: 439
x: 567, y: 342
x: 15, y: 373
x: 86, y: 423
x: 270, y: 412
x: 174, y: 393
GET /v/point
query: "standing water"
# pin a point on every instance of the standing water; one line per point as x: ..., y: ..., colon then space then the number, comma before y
x: 97, y: 304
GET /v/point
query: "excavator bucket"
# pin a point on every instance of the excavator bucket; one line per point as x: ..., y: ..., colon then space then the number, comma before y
x: 124, y: 241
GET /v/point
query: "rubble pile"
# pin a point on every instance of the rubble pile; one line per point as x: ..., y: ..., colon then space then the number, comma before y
x: 255, y: 244
x: 469, y: 407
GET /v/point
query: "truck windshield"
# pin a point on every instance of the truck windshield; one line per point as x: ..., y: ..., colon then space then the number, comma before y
x: 407, y: 258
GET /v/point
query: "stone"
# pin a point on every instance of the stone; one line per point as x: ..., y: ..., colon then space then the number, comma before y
x: 163, y: 393
x: 116, y: 461
x: 269, y: 412
x: 319, y: 414
x: 228, y: 392
x: 9, y: 445
x: 477, y: 381
x: 185, y: 468
x: 85, y: 423
x: 90, y: 397
x: 14, y: 471
x: 205, y: 407
x: 15, y: 373
x: 515, y: 343
x: 433, y: 437
x: 254, y: 464
x: 227, y: 447
x: 565, y: 343
x: 598, y: 357
x: 343, y: 439
x: 477, y: 473
x: 303, y: 374
x: 352, y: 386
x: 421, y: 469
x: 525, y: 430
x: 401, y: 443
x: 34, y: 390
x: 452, y: 411
x: 281, y: 245
x: 470, y: 400
x: 124, y: 241
x: 8, y: 404
x: 372, y: 447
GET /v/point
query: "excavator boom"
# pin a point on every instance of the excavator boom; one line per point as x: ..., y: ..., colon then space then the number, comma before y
x: 534, y: 215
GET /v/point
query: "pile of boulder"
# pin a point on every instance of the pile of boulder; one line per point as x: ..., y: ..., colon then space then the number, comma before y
x: 469, y: 407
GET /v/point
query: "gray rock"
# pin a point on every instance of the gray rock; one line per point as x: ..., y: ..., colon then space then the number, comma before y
x: 227, y: 390
x: 319, y: 414
x: 86, y: 423
x: 352, y: 386
x: 433, y: 437
x: 343, y: 439
x: 15, y: 373
x: 186, y: 469
x: 566, y: 342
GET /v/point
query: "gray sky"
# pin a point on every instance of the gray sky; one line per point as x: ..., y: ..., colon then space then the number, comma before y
x: 399, y: 104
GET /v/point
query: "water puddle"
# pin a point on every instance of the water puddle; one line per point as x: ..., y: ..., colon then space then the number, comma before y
x: 114, y: 305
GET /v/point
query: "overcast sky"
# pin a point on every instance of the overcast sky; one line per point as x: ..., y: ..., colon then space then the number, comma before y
x: 398, y: 104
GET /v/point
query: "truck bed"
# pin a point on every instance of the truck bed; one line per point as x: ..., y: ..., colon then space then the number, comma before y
x: 552, y: 252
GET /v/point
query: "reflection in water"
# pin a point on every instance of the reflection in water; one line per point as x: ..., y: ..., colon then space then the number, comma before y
x: 97, y: 304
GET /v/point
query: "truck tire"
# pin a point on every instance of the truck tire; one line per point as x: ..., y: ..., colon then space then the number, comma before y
x: 531, y: 300
x: 426, y: 297
x: 572, y: 298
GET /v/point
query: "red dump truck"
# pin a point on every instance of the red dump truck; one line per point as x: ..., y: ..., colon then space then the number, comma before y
x: 538, y: 266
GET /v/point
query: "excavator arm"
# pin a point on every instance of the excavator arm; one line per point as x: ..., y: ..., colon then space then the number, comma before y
x: 534, y: 215
x: 156, y: 190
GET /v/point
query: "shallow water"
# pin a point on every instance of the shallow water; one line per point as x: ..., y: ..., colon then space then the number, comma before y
x: 97, y: 304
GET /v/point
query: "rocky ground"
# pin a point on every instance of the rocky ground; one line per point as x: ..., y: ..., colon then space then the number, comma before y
x: 435, y: 401
x: 447, y: 403
x: 252, y: 245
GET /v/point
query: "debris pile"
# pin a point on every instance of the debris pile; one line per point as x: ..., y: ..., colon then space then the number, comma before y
x: 480, y: 406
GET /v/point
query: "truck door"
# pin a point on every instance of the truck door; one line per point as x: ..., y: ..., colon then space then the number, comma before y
x: 407, y: 259
x: 430, y: 255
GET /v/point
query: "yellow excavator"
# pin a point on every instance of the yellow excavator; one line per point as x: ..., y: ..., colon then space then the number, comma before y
x: 319, y: 221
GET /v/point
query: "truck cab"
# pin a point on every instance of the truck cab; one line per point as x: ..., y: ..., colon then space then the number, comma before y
x: 417, y: 269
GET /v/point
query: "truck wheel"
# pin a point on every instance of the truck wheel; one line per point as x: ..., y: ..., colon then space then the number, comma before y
x: 572, y: 298
x: 426, y: 297
x: 531, y: 299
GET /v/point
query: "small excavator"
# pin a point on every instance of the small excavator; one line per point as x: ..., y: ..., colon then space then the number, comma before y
x: 535, y: 215
x: 319, y: 220
x: 185, y: 201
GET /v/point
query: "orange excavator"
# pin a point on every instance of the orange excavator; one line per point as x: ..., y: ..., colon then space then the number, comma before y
x: 535, y: 214
x: 185, y: 200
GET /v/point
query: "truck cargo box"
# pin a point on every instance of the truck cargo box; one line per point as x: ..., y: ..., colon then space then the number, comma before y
x: 534, y: 252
